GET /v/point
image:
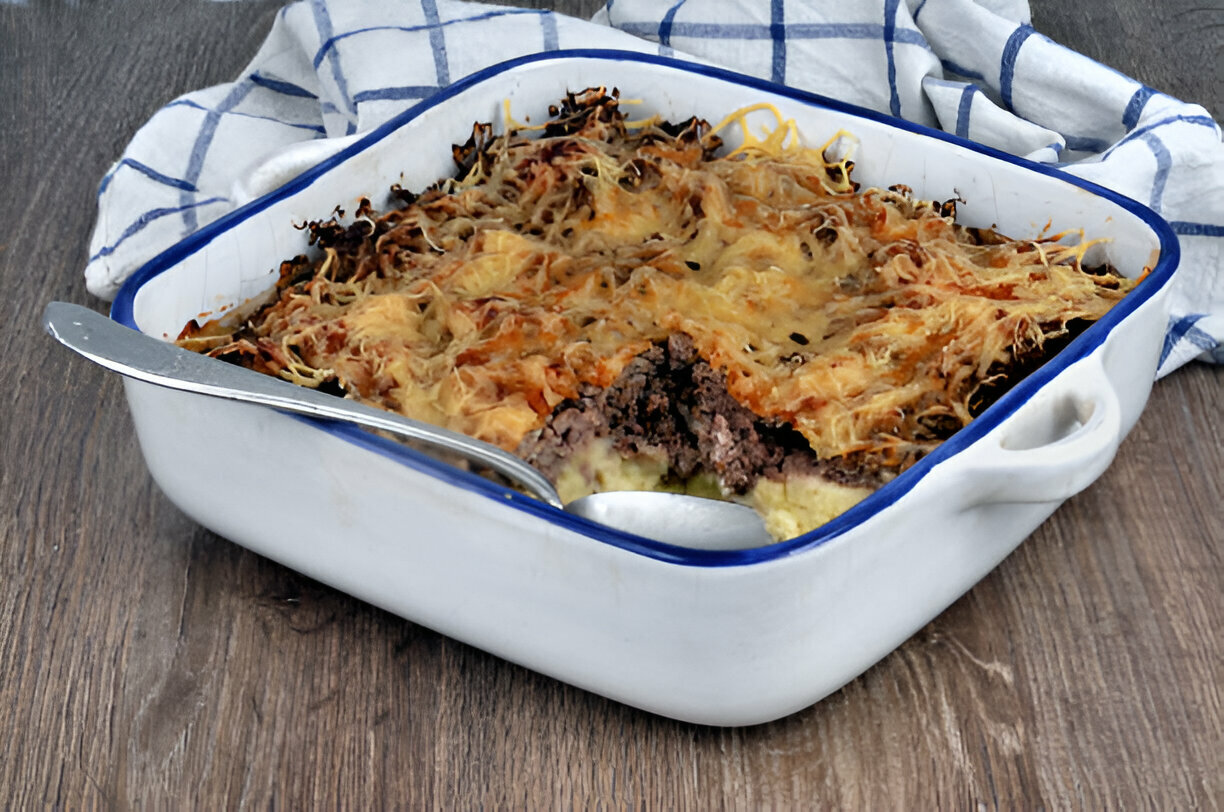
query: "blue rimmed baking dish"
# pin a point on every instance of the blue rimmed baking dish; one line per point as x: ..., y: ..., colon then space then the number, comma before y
x: 734, y: 637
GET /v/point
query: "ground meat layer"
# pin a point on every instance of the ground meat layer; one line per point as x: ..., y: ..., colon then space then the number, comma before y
x: 670, y: 403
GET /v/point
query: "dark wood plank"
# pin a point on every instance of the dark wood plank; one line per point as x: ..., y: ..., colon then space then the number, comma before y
x: 145, y: 660
x: 1174, y: 48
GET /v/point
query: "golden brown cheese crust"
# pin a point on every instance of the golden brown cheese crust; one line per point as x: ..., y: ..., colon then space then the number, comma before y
x: 866, y: 320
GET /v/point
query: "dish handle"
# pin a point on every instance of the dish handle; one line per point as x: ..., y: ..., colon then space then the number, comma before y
x: 272, y: 170
x: 1055, y: 446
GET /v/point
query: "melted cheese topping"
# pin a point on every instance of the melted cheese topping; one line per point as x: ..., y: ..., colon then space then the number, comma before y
x: 866, y: 320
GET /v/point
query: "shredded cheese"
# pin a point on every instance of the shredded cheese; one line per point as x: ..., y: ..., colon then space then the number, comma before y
x: 869, y: 321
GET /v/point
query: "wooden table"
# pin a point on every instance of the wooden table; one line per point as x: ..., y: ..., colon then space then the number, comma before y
x: 144, y: 659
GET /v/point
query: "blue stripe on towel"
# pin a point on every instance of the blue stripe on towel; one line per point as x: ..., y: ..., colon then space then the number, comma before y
x: 890, y: 35
x: 148, y: 217
x: 1134, y: 107
x: 149, y: 172
x: 1201, y: 339
x: 1007, y: 67
x: 281, y: 86
x: 1204, y: 121
x: 1184, y: 328
x: 756, y: 31
x: 1164, y: 162
x: 396, y: 93
x: 330, y: 41
x: 1183, y: 228
x: 316, y: 128
x: 437, y: 41
x: 963, y: 109
x: 777, y: 33
x: 905, y: 36
x: 323, y: 22
x: 199, y: 150
x: 548, y: 22
x: 669, y: 19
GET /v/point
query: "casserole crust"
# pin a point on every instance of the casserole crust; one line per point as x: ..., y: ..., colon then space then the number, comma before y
x: 625, y: 306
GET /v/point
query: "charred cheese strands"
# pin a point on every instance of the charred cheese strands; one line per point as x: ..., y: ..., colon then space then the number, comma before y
x: 868, y: 321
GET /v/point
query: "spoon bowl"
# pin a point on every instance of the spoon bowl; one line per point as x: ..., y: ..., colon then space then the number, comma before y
x: 678, y: 519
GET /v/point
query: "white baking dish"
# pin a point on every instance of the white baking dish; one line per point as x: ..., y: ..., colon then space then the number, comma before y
x: 726, y: 638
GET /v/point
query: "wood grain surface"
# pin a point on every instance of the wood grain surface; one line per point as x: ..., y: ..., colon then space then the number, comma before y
x: 146, y: 661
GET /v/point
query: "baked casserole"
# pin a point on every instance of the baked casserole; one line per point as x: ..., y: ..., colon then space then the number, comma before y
x: 627, y: 305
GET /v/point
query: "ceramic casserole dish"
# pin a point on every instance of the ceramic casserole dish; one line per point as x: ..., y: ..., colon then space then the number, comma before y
x: 726, y: 637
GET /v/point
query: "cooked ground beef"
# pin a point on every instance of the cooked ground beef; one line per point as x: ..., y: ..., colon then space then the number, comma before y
x: 669, y: 402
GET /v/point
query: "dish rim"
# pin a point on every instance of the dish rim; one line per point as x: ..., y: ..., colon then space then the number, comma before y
x: 122, y: 310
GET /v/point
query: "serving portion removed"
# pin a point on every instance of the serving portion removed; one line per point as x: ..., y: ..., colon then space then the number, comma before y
x: 628, y: 305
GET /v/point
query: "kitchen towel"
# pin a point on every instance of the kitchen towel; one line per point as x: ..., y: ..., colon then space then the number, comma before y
x: 977, y: 68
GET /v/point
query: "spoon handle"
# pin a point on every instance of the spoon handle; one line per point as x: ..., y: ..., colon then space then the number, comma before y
x: 144, y: 358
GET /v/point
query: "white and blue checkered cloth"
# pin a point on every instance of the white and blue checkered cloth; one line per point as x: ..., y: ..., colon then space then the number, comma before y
x: 973, y: 67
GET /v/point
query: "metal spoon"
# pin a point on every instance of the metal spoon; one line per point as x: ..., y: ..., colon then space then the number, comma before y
x: 686, y: 521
